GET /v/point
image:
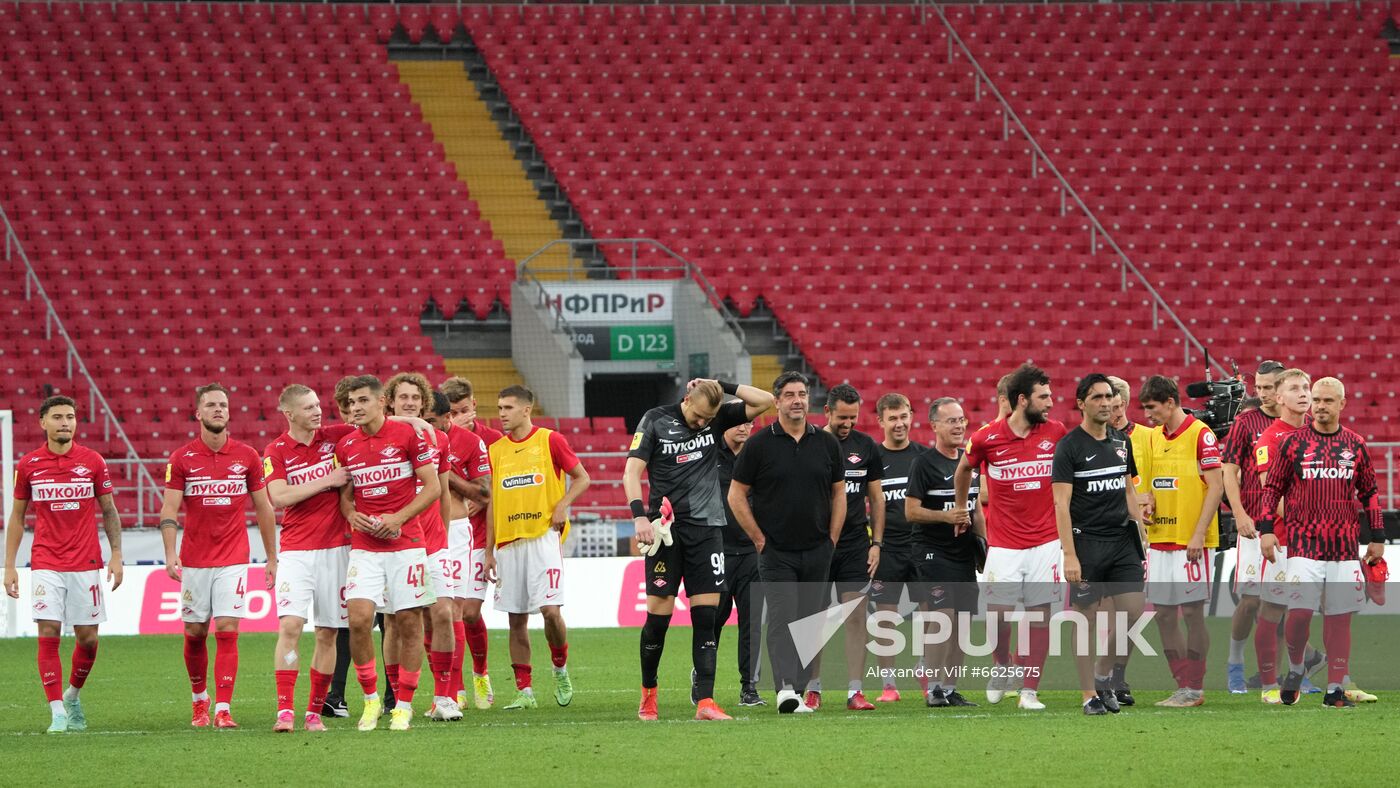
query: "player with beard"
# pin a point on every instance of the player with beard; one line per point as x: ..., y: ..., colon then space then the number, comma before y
x: 1023, y: 552
x: 858, y: 551
x: 213, y: 478
x: 676, y: 445
x: 895, y: 569
x: 949, y: 544
x: 1185, y: 474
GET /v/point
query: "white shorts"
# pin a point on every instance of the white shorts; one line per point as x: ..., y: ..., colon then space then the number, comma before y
x: 393, y: 581
x: 213, y: 592
x: 1335, y: 586
x: 72, y: 598
x: 313, y: 580
x: 1249, y: 567
x: 1172, y: 580
x: 1029, y: 576
x: 443, y: 575
x: 1273, y: 585
x: 468, y: 565
x: 530, y: 574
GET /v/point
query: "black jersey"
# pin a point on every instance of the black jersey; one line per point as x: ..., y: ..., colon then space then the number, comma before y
x: 894, y: 481
x: 1098, y: 471
x: 735, y: 540
x: 861, y: 456
x: 931, y: 484
x: 681, y: 461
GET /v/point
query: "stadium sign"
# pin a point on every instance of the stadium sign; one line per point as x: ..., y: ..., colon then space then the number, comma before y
x: 607, y: 303
x: 626, y: 343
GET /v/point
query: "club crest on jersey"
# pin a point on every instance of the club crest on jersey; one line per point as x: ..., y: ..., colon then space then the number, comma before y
x: 238, y: 467
x: 1046, y: 445
x: 1346, y: 455
x: 82, y: 470
x: 389, y: 452
x: 853, y: 458
x: 327, y: 447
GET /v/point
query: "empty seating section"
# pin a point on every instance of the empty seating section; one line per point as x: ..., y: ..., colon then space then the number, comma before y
x: 224, y: 192
x: 1247, y: 150
x: 832, y: 161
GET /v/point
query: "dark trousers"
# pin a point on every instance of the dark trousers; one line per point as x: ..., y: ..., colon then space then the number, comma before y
x: 740, y: 573
x: 794, y: 587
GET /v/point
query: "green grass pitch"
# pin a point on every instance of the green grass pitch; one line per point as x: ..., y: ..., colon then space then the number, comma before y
x: 138, y: 710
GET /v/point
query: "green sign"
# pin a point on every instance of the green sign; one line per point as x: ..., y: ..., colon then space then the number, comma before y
x: 643, y: 343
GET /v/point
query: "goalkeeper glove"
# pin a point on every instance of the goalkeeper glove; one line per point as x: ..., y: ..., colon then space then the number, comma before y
x: 661, y: 530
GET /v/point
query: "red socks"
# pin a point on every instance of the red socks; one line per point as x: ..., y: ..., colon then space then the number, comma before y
x: 197, y: 663
x: 476, y: 641
x: 559, y: 656
x: 225, y: 665
x: 522, y: 675
x: 1296, y: 630
x: 459, y: 655
x: 50, y: 669
x: 320, y: 685
x: 368, y: 676
x: 408, y: 684
x: 1266, y: 648
x: 1336, y: 638
x: 1035, y: 658
x: 286, y: 689
x: 82, y: 665
x: 1002, y: 653
x: 391, y: 673
x: 440, y: 663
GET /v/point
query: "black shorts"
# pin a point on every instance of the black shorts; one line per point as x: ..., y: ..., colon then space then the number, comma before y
x: 848, y: 570
x: 1109, y: 567
x: 944, y: 582
x: 895, y: 570
x: 695, y: 555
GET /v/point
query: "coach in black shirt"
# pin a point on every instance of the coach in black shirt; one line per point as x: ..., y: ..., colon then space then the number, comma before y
x: 794, y: 474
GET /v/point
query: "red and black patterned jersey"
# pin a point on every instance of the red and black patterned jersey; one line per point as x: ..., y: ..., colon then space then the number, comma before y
x: 1325, y: 481
x: 1239, y: 450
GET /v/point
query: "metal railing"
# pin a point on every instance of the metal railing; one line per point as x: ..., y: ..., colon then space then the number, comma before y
x: 683, y: 266
x: 1096, y: 229
x: 98, y: 406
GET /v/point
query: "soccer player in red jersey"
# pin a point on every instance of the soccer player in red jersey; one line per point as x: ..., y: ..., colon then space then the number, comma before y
x: 470, y: 488
x: 393, y: 480
x: 1023, y: 555
x: 214, y: 477
x: 66, y: 483
x: 301, y: 477
x: 1243, y: 492
x: 459, y: 394
x: 410, y: 395
x: 1293, y: 396
x: 1323, y: 474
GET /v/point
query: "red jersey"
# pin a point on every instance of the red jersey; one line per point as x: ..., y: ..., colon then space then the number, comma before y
x: 63, y: 489
x: 1264, y: 452
x: 383, y: 470
x: 1020, y: 504
x: 434, y: 529
x: 217, y: 486
x: 1323, y: 480
x: 488, y: 434
x: 316, y: 522
x: 466, y: 451
x: 1239, y: 450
